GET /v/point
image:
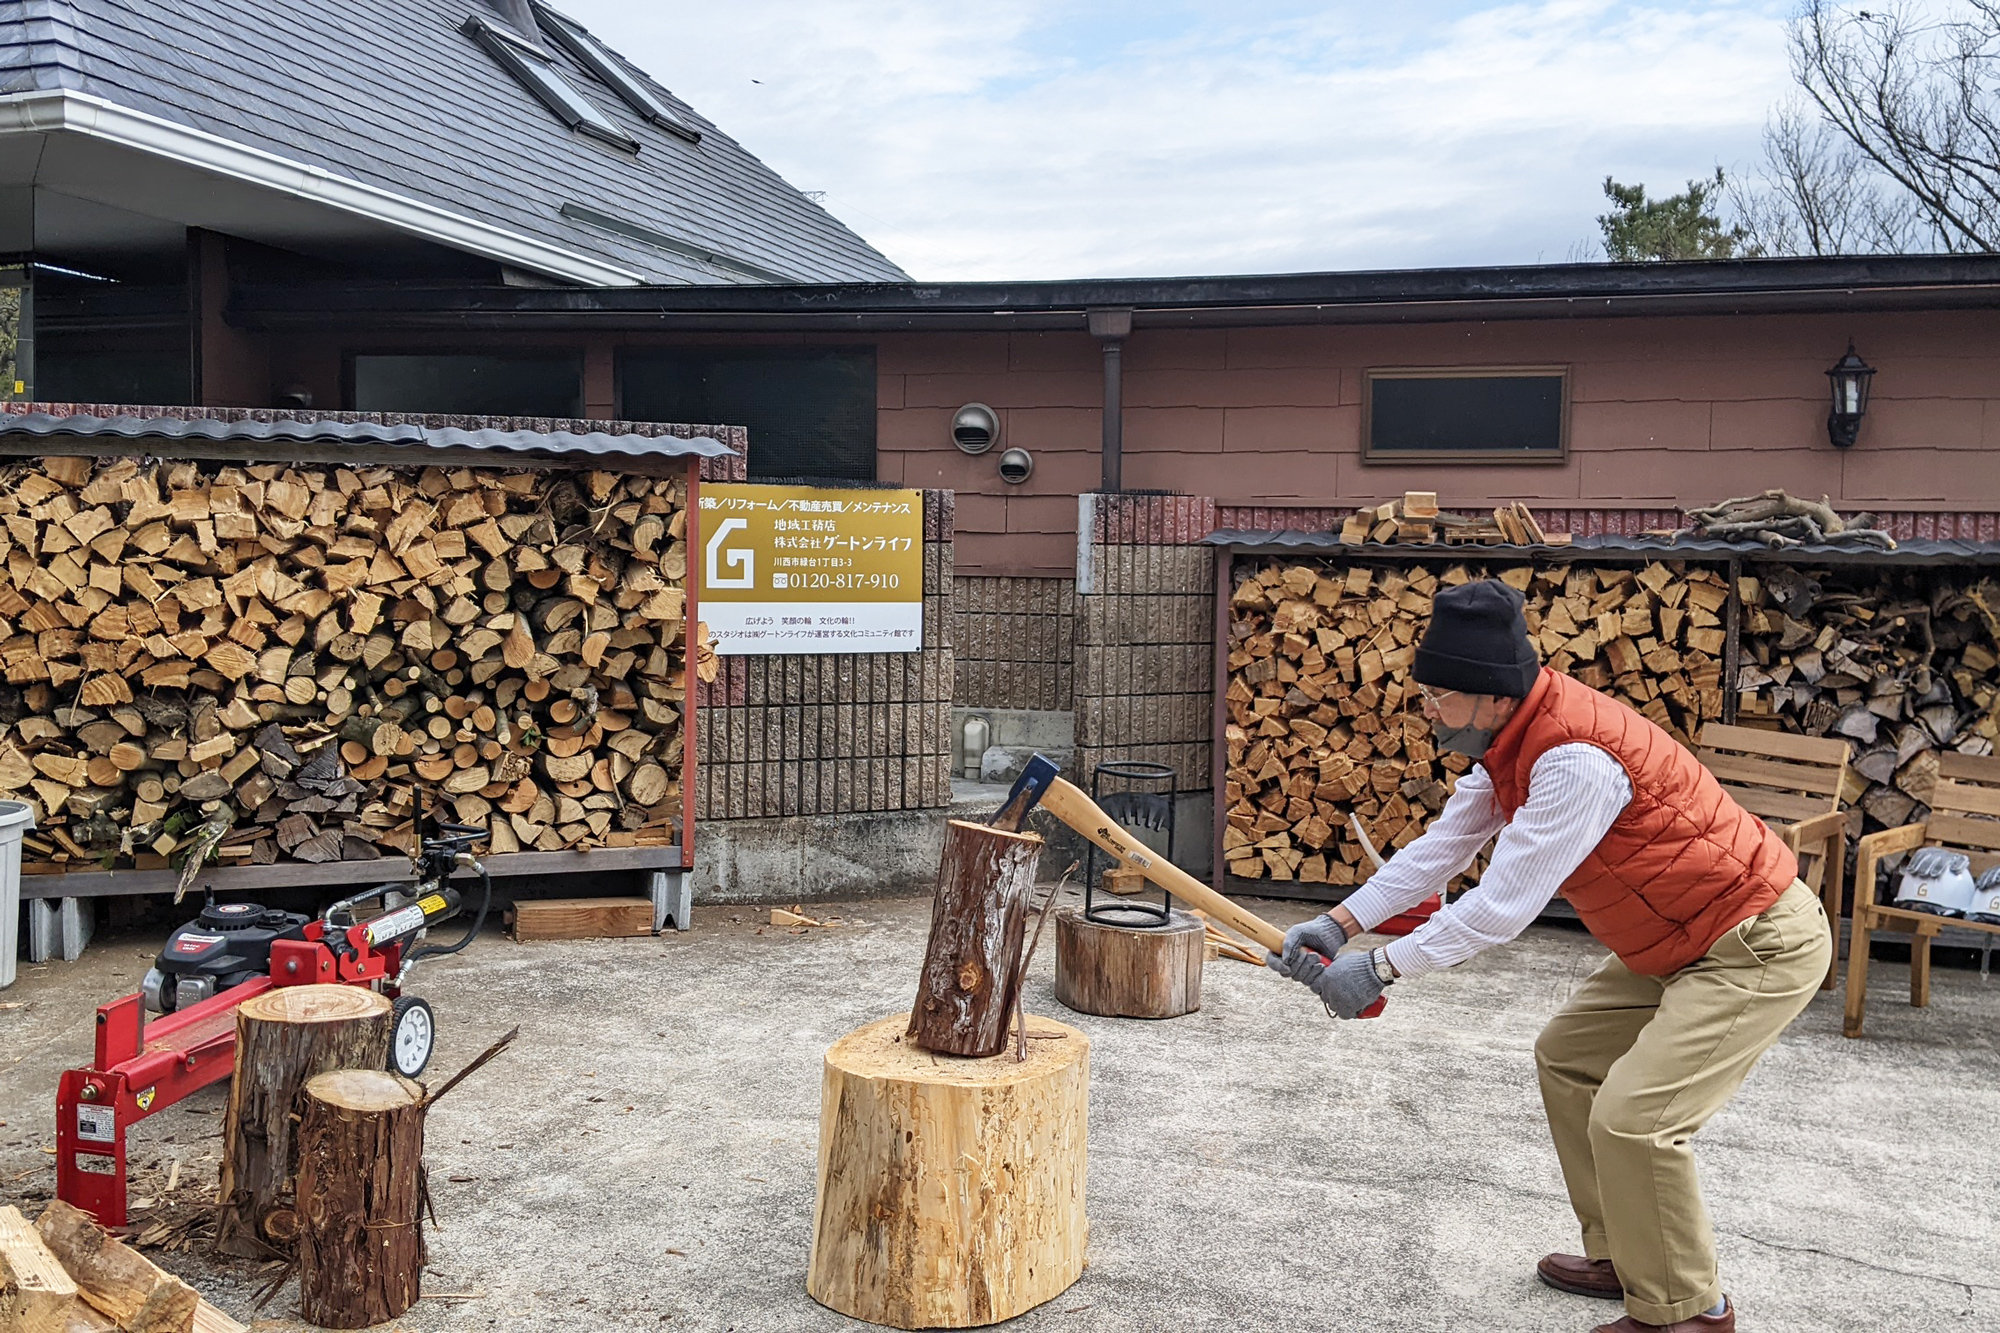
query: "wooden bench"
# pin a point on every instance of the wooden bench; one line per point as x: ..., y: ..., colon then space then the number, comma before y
x: 1965, y: 817
x: 1793, y: 783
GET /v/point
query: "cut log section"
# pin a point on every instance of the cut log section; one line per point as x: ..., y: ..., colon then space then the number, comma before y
x: 122, y: 1284
x: 361, y: 1193
x: 36, y: 1291
x: 284, y: 1038
x: 965, y: 995
x: 951, y: 1192
x: 1128, y: 971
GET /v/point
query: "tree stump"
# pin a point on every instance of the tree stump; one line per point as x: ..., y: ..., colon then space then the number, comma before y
x: 361, y: 1190
x: 950, y: 1191
x: 283, y: 1038
x: 1128, y: 971
x: 965, y: 997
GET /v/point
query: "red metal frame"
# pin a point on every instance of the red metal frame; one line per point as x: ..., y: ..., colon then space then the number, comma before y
x: 140, y: 1068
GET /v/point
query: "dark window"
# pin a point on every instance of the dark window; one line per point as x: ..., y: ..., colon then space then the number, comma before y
x: 532, y: 68
x: 1465, y: 414
x: 469, y: 385
x: 810, y: 413
x: 617, y: 77
x: 110, y: 377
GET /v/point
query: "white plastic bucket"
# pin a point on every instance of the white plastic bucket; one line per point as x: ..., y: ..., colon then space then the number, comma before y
x: 16, y: 818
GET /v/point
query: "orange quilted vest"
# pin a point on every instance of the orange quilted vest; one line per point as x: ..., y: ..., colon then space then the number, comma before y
x: 1682, y: 866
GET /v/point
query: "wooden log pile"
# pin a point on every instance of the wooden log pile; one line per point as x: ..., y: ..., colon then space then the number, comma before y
x: 1783, y: 522
x: 256, y: 662
x: 66, y: 1274
x: 1324, y: 721
x: 1902, y: 664
x: 1417, y: 518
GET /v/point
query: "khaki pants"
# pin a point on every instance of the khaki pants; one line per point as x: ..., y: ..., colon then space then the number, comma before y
x: 1633, y: 1066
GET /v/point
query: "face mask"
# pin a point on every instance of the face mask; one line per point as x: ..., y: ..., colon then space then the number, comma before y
x: 1468, y: 740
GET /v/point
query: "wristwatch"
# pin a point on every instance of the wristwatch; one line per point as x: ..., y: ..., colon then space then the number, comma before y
x: 1384, y: 973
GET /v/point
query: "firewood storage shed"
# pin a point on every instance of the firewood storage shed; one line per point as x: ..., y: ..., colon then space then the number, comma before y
x: 282, y: 629
x: 1894, y: 651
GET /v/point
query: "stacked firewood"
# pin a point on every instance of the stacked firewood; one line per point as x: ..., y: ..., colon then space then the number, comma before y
x: 1417, y: 518
x: 1325, y: 725
x: 256, y: 662
x: 1901, y: 664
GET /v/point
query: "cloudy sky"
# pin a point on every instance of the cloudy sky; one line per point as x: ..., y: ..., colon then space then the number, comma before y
x: 1049, y: 138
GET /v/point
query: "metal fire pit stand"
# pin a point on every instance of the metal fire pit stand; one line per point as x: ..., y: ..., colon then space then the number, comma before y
x: 1144, y: 798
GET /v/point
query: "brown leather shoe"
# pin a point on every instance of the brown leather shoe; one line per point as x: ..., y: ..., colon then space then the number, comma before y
x: 1581, y: 1277
x: 1701, y: 1323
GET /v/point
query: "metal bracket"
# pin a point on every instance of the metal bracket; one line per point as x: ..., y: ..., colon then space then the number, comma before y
x: 672, y: 893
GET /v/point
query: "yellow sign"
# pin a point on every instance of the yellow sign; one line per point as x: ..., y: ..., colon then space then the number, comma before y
x: 798, y: 569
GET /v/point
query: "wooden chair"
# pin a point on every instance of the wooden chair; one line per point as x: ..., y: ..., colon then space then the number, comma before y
x: 1965, y: 817
x: 1793, y: 783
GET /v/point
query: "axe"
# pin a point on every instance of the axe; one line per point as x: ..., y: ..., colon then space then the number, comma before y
x: 1042, y: 784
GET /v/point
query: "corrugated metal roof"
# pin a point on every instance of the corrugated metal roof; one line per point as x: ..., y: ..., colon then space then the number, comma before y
x: 557, y: 444
x: 1906, y: 553
x: 392, y: 94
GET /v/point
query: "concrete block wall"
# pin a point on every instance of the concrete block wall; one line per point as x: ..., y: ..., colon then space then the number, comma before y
x: 1012, y: 639
x: 836, y: 733
x: 1145, y: 633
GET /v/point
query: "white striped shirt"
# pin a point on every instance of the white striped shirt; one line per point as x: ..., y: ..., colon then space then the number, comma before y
x: 1575, y: 793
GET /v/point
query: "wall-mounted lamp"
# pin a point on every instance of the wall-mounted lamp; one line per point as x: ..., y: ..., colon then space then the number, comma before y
x: 1849, y: 378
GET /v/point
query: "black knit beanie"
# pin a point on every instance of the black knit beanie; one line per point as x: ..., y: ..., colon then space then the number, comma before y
x: 1478, y: 642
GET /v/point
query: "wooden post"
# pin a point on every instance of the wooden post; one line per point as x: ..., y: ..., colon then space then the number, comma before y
x: 965, y: 997
x: 283, y: 1038
x: 950, y: 1191
x: 1129, y: 971
x: 361, y: 1190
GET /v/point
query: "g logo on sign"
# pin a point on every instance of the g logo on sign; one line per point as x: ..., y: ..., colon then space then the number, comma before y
x: 742, y: 561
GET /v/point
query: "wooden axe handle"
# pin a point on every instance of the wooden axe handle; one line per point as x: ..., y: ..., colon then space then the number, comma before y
x: 1073, y: 807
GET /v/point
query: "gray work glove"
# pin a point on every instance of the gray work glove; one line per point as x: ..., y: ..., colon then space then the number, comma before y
x: 1347, y: 985
x: 1322, y: 934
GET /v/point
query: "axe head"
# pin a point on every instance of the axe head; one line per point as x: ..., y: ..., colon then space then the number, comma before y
x: 1026, y: 794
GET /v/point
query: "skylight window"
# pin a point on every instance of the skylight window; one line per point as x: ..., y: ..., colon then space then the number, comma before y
x: 599, y: 61
x: 532, y: 68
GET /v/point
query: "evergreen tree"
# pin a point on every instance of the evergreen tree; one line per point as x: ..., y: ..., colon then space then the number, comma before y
x: 1681, y: 226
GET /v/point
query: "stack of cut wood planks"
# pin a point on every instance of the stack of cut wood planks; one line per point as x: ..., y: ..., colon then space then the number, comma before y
x: 1902, y: 664
x: 1323, y: 719
x: 1416, y: 518
x: 267, y: 657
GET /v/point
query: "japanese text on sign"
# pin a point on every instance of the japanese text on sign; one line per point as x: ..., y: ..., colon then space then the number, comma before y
x: 796, y: 569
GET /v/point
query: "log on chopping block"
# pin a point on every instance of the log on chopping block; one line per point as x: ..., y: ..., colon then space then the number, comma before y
x: 285, y: 1037
x: 1129, y: 971
x: 361, y: 1190
x: 122, y: 1284
x: 965, y: 996
x: 951, y: 1193
x: 36, y: 1292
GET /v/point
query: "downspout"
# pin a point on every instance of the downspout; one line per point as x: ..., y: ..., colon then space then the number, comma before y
x: 1111, y: 325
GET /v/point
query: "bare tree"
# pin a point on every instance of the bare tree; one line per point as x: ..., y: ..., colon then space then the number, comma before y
x: 1815, y: 193
x: 1916, y: 93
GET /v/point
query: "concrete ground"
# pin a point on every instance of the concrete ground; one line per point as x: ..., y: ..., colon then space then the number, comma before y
x: 644, y: 1157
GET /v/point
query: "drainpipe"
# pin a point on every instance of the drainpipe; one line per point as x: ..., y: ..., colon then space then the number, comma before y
x: 1111, y: 325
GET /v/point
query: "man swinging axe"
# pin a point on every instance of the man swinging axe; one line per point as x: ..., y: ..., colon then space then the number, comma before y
x: 1716, y: 945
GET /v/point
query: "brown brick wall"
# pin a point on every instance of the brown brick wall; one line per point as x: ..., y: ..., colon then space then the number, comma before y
x: 1013, y: 641
x: 1145, y: 642
x: 836, y: 733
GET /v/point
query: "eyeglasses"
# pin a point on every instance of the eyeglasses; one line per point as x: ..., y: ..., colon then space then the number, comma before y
x: 1436, y: 698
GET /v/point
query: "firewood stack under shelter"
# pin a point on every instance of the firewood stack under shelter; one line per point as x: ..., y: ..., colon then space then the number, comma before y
x: 1324, y: 724
x: 1901, y: 663
x: 268, y: 656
